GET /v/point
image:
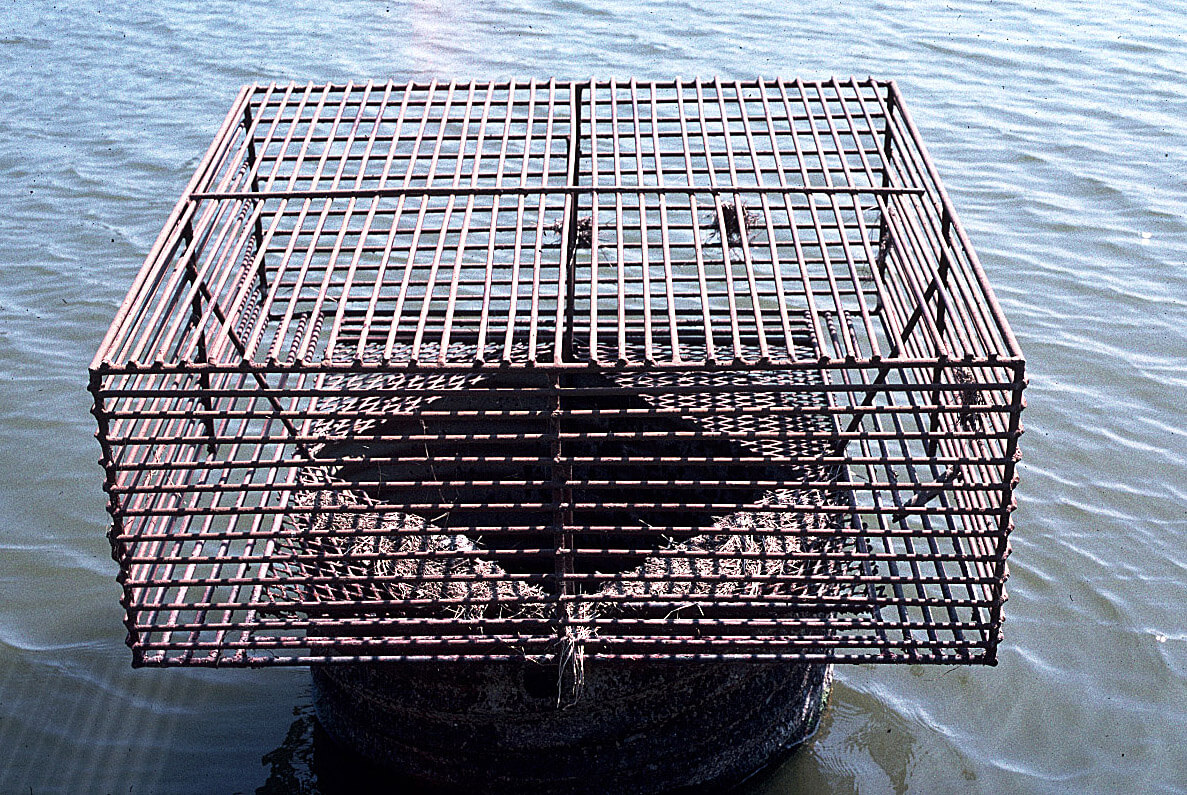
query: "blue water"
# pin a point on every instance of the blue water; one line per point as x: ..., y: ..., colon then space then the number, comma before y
x: 1061, y: 131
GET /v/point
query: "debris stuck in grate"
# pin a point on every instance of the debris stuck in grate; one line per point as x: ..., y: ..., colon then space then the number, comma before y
x: 683, y: 370
x: 583, y: 236
x: 970, y: 398
x: 737, y: 220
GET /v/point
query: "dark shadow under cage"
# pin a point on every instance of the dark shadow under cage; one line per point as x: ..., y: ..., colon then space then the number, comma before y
x: 682, y: 370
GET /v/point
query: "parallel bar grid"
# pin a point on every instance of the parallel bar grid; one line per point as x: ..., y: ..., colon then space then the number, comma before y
x: 682, y: 370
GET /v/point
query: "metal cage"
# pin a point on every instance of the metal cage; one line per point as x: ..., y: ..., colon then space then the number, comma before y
x: 682, y: 370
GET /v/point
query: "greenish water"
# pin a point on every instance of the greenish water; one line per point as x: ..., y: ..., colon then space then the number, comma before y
x: 1061, y: 132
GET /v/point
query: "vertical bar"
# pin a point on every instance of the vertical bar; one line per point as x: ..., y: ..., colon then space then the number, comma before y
x: 842, y: 472
x: 107, y: 461
x: 369, y: 219
x: 740, y: 215
x: 285, y: 322
x: 764, y: 199
x: 805, y: 279
x: 393, y: 230
x: 195, y: 321
x: 885, y: 242
x: 719, y: 220
x: 851, y: 346
x: 406, y: 280
x: 1002, y: 549
x: 509, y: 336
x: 252, y: 164
x: 855, y: 198
x: 562, y: 498
x: 645, y: 253
x: 484, y: 322
x: 255, y: 335
x: 618, y: 210
x: 594, y: 265
x: 891, y: 320
x: 451, y: 301
x: 665, y: 238
x: 706, y: 314
x: 307, y: 346
x: 397, y: 215
x: 443, y: 232
x: 572, y: 206
x: 537, y: 264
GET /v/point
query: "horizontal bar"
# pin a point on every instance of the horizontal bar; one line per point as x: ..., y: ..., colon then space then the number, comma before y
x: 741, y: 365
x: 480, y: 415
x: 577, y: 505
x: 839, y: 533
x: 922, y: 460
x: 318, y: 556
x: 345, y: 626
x: 651, y: 601
x: 532, y: 190
x: 507, y: 643
x: 524, y: 85
x: 873, y: 656
x: 345, y: 581
x: 574, y: 482
x: 245, y: 661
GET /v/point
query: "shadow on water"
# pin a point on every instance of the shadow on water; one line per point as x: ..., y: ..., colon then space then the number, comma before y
x: 308, y: 762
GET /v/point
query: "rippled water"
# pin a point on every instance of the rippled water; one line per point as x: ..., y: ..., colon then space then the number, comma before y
x: 1062, y: 134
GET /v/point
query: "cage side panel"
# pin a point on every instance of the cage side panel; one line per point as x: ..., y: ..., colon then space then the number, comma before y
x: 345, y: 517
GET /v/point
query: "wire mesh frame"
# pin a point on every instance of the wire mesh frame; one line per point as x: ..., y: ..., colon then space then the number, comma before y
x: 602, y: 321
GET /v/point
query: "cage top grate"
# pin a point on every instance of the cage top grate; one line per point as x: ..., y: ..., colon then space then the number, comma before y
x: 552, y: 224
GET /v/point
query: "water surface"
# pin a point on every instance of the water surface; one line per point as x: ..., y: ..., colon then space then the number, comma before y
x: 1061, y: 132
